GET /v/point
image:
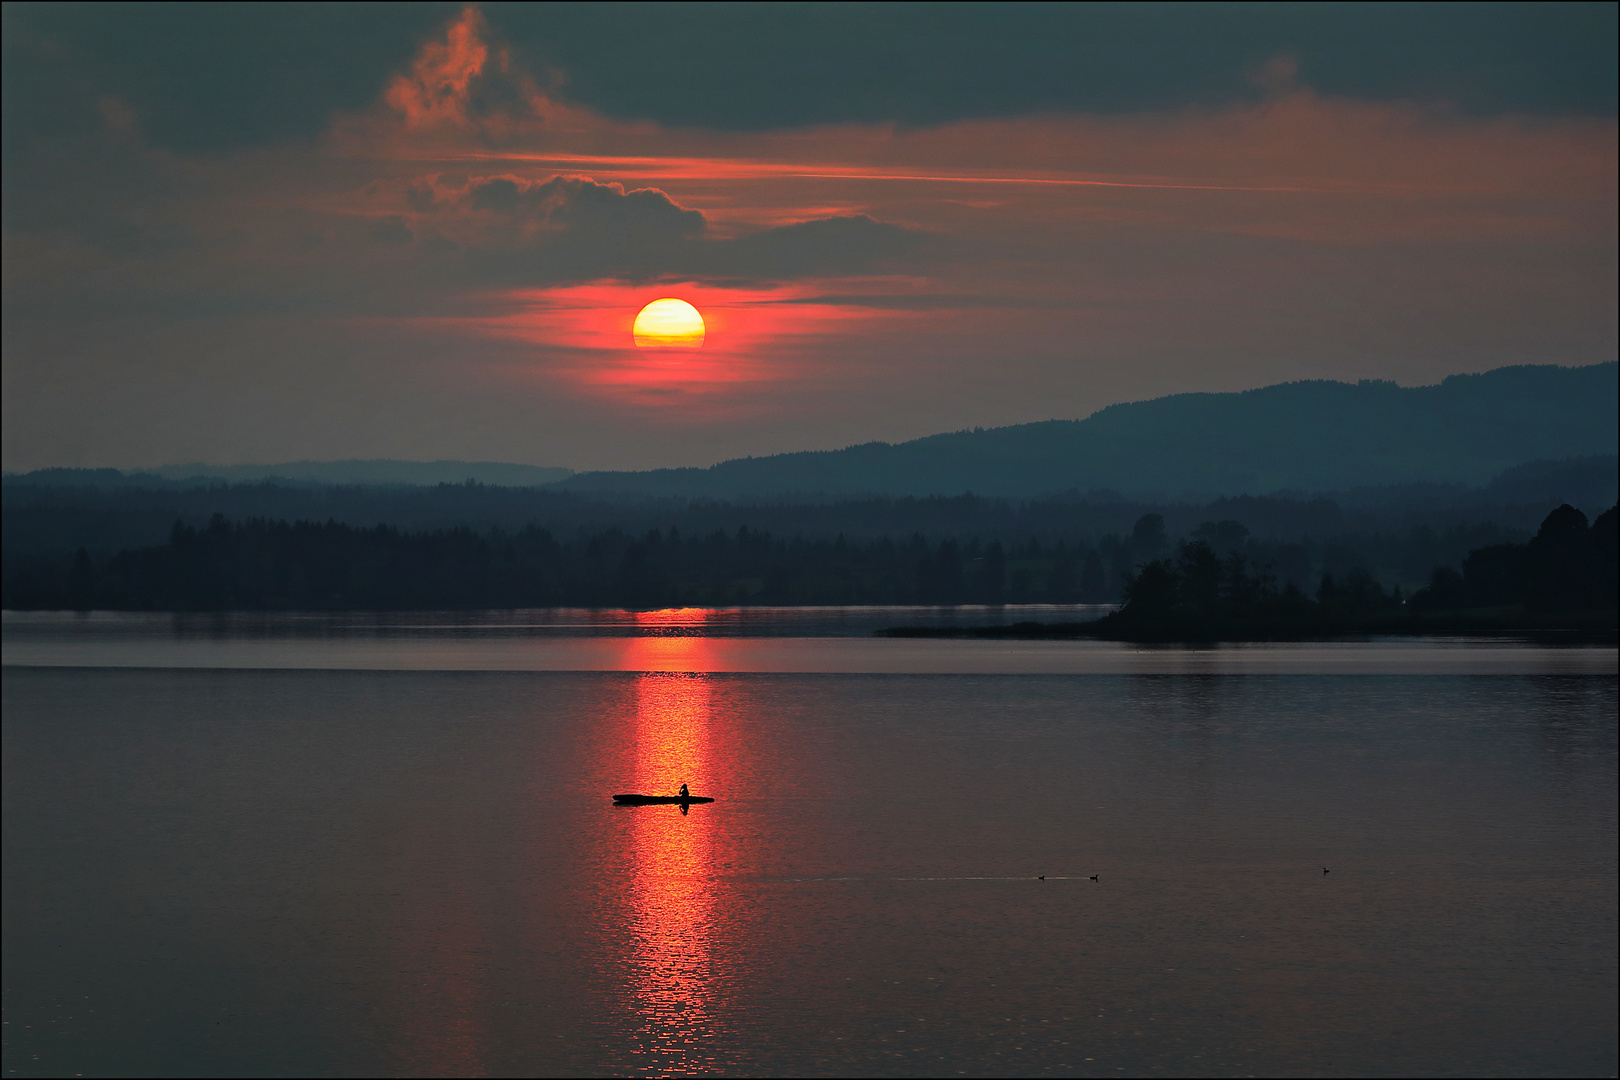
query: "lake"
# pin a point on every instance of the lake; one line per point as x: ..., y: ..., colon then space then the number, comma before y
x: 340, y: 845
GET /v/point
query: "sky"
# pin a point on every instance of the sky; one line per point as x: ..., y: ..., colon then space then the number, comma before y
x: 259, y: 233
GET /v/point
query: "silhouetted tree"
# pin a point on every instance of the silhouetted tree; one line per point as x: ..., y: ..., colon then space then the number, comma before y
x: 1567, y: 567
x: 1223, y: 537
x: 1606, y: 547
x: 1093, y: 585
x: 1559, y: 562
x: 1154, y: 590
x: 1199, y: 571
x: 1062, y: 584
x: 992, y: 574
x: 81, y: 582
x: 1147, y: 538
x: 949, y: 585
x: 1020, y: 586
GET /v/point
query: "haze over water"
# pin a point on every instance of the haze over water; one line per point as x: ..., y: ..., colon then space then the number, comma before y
x: 386, y: 844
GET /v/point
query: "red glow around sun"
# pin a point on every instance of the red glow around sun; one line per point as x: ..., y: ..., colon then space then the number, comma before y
x: 749, y: 334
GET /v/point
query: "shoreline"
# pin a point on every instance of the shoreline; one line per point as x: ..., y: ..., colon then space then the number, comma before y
x: 1599, y: 627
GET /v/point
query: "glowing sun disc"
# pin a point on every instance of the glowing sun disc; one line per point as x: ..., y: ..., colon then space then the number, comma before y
x: 669, y: 324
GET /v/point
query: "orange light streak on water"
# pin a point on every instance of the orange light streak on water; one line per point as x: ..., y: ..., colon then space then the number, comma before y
x: 673, y: 920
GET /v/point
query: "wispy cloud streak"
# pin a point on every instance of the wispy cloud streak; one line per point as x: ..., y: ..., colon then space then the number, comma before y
x: 670, y: 168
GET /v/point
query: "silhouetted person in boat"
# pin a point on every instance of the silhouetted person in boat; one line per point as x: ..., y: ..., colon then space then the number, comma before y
x: 684, y: 793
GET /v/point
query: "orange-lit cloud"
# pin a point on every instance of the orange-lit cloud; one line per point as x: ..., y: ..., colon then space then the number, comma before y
x: 435, y: 90
x: 1295, y: 165
x: 461, y: 84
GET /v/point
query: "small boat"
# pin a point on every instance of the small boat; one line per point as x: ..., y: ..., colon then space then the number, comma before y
x: 658, y: 800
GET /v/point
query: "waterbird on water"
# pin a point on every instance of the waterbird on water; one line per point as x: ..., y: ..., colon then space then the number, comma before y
x: 1093, y: 877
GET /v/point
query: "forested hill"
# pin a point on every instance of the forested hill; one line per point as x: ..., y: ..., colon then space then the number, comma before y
x: 1301, y: 436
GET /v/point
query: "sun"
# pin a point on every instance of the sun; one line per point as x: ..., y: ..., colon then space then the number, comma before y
x: 669, y: 324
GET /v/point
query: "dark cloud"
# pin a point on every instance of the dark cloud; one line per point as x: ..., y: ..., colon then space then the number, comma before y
x: 581, y: 203
x: 509, y: 230
x: 202, y: 77
x: 933, y: 63
x: 422, y: 197
x: 392, y: 230
x: 515, y: 231
x: 211, y: 77
x: 824, y: 247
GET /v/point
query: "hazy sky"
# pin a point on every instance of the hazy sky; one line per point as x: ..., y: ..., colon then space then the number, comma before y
x: 262, y: 233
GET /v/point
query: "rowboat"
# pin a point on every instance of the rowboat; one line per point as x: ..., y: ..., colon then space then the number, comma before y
x: 658, y: 800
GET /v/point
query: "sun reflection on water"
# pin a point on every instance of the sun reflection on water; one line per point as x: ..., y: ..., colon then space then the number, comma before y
x: 672, y: 917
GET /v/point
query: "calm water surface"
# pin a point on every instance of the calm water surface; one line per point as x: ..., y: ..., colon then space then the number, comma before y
x: 344, y: 846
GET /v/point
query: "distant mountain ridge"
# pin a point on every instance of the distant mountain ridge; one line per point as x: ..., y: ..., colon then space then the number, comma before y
x: 1299, y: 436
x: 1315, y: 436
x: 370, y: 472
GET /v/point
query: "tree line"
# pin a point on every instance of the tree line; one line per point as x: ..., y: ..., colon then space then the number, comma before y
x: 260, y: 564
x: 1395, y: 535
x: 1219, y: 576
x: 1567, y: 569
